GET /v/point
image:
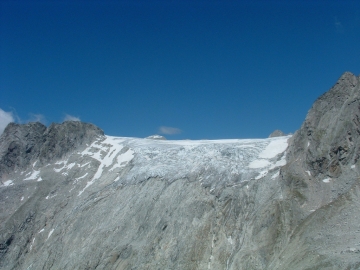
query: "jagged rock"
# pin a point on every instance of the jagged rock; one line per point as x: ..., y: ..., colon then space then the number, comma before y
x: 20, y: 145
x: 98, y: 202
x: 65, y: 137
x: 321, y: 175
x: 277, y: 133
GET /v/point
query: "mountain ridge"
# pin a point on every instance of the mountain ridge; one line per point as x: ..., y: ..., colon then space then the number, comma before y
x: 73, y: 198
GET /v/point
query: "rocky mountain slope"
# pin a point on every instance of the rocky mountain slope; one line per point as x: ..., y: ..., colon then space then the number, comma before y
x: 73, y: 198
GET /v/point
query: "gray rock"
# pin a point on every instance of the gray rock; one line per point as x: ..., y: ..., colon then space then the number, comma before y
x: 20, y: 145
x: 97, y: 202
x: 62, y: 138
x: 277, y: 133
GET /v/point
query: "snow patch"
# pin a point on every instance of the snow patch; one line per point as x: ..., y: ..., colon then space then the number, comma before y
x: 50, y: 233
x: 274, y: 148
x: 70, y: 166
x: 326, y: 180
x: 259, y: 163
x: 353, y: 166
x: 275, y: 175
x: 32, y: 243
x: 81, y: 177
x: 261, y: 175
x: 33, y: 176
x: 84, y: 164
x: 309, y: 173
x: 8, y: 183
x: 59, y: 170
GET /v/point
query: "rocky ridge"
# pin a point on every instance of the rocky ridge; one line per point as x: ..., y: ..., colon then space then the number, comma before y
x: 73, y: 198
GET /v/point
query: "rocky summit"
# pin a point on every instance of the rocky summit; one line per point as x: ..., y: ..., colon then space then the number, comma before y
x: 74, y: 198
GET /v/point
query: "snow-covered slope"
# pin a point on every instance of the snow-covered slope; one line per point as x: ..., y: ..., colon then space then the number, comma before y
x: 214, y: 163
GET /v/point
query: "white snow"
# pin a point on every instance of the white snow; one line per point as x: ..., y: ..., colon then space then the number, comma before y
x: 87, y: 163
x: 261, y: 175
x: 50, y: 196
x: 259, y: 163
x: 275, y: 175
x: 81, y: 177
x: 8, y: 183
x: 326, y: 180
x: 213, y: 161
x: 33, y: 176
x: 70, y: 166
x: 106, y: 152
x: 309, y: 173
x: 123, y: 159
x: 22, y: 198
x: 60, y: 162
x: 353, y: 166
x: 41, y: 230
x: 32, y: 243
x: 274, y: 148
x: 50, y: 233
x: 59, y: 170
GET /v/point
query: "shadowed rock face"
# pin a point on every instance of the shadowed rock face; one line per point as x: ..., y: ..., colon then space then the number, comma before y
x: 21, y: 145
x: 72, y: 198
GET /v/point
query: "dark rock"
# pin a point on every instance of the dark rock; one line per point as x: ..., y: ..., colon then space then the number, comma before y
x: 60, y: 139
x: 20, y: 145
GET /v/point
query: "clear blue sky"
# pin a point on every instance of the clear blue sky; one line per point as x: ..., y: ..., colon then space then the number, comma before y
x: 210, y: 69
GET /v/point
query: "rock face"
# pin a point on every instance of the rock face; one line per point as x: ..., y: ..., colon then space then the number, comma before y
x: 72, y: 198
x: 22, y: 144
x: 322, y: 177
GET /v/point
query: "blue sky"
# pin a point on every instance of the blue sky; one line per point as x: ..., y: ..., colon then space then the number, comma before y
x: 186, y: 69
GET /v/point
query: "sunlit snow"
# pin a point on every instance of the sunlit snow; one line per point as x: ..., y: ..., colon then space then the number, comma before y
x: 8, y: 183
x: 34, y: 175
x: 209, y: 161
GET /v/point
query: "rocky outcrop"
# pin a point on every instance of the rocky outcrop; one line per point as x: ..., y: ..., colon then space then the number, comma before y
x: 60, y: 139
x: 21, y: 145
x: 321, y: 184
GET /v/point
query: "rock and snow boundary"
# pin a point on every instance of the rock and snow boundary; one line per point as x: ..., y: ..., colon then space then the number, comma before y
x: 212, y: 162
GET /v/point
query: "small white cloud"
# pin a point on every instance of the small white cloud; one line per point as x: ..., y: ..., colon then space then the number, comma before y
x: 69, y: 117
x: 169, y: 130
x: 36, y: 117
x: 5, y: 119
